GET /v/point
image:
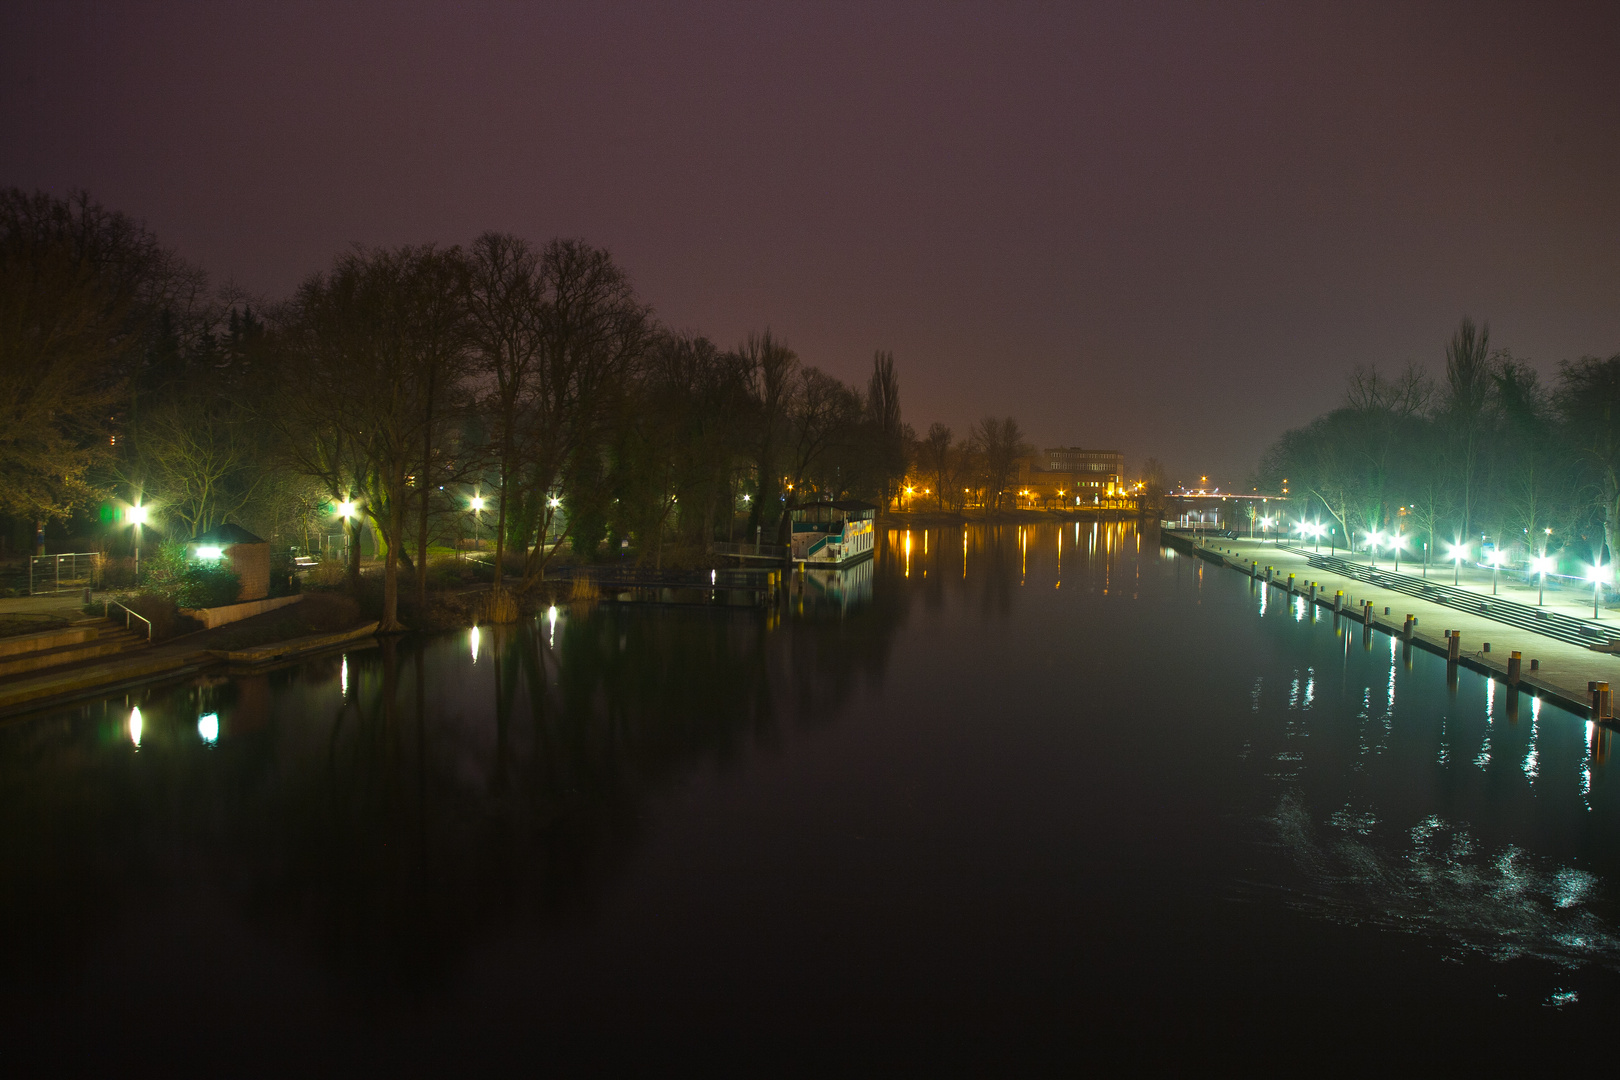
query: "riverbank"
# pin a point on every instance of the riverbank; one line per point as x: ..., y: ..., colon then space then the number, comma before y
x: 1558, y: 670
x: 279, y: 637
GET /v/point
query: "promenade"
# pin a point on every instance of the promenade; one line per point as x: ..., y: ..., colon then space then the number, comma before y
x: 1563, y: 668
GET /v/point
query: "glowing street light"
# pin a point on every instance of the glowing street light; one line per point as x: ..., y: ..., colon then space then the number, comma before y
x: 1541, y: 566
x: 1496, y: 568
x: 1596, y: 575
x: 1458, y: 552
x: 1265, y: 526
x: 346, y: 509
x: 1374, y: 538
x: 138, y: 515
x: 1397, y: 541
x: 477, y: 507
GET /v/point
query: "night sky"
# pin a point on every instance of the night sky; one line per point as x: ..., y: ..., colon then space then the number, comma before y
x: 1166, y: 229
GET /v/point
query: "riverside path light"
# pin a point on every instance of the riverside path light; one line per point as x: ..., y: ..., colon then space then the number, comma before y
x: 1457, y: 554
x: 138, y: 515
x: 1596, y: 575
x: 1541, y: 566
x: 1265, y: 526
x: 1374, y: 538
x: 1398, y: 542
x: 1496, y: 569
x: 477, y: 506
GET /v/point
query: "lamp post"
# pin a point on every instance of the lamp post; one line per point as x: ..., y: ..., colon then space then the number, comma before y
x: 138, y: 516
x: 1496, y: 570
x: 477, y: 511
x: 346, y: 513
x: 1459, y: 552
x: 1374, y: 538
x: 1596, y: 574
x: 1541, y: 565
x: 1397, y: 541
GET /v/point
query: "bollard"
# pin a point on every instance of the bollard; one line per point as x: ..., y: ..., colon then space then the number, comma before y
x: 1290, y: 584
x: 1367, y: 613
x: 1338, y: 601
x: 1535, y: 665
x: 1406, y: 628
x: 1487, y: 647
x: 1605, y: 710
x: 1453, y: 646
x: 1386, y: 609
x: 1514, y: 666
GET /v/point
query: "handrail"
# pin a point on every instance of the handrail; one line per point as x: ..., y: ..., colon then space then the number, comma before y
x: 105, y: 613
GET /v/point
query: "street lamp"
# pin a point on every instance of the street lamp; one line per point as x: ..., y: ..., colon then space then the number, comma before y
x: 1374, y: 538
x: 1397, y: 541
x: 1541, y: 566
x: 1496, y: 569
x: 477, y: 509
x: 1265, y: 527
x: 1596, y: 574
x: 1459, y: 552
x: 138, y: 516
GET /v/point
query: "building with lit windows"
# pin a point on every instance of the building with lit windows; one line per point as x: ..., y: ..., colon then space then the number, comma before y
x: 1072, y: 476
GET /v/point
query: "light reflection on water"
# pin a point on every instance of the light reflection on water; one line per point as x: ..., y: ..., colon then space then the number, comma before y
x: 909, y: 757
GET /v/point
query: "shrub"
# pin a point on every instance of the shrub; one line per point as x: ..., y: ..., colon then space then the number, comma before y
x: 188, y: 584
x: 205, y: 585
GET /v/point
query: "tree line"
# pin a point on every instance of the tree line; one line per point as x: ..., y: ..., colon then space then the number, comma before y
x: 398, y: 384
x: 1487, y: 453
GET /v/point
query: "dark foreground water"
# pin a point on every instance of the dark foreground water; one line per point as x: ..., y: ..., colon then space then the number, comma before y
x: 1003, y: 795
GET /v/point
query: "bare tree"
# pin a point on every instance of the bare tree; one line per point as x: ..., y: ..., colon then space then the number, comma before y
x: 1468, y: 381
x: 774, y: 368
x: 506, y: 301
x: 1000, y: 443
x: 883, y: 413
x: 934, y: 453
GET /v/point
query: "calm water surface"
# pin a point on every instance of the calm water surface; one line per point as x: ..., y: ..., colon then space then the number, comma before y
x: 1046, y: 793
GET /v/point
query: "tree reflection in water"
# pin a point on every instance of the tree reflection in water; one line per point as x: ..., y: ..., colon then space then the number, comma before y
x: 387, y: 810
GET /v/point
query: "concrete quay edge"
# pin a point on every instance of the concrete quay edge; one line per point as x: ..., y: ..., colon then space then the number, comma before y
x: 1572, y: 697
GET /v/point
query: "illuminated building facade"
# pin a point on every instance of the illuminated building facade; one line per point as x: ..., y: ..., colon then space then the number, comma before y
x: 1072, y: 476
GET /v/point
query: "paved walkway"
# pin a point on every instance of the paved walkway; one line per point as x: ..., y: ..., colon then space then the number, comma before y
x: 1564, y: 669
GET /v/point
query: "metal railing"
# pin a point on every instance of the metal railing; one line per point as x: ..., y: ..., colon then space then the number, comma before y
x: 755, y: 551
x: 106, y: 612
x: 66, y: 572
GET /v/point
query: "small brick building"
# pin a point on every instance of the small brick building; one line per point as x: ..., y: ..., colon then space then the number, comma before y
x: 245, y: 553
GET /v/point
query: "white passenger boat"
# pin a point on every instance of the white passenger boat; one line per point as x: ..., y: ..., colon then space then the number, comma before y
x: 833, y: 534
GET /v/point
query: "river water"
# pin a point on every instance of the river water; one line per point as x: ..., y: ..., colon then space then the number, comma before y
x: 1000, y: 795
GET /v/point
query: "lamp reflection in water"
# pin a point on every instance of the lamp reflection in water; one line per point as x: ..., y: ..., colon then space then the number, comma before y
x: 343, y: 676
x: 551, y: 617
x: 473, y: 637
x: 208, y: 727
x: 135, y: 726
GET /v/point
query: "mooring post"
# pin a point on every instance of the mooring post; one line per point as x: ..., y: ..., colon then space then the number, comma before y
x: 1367, y: 613
x: 1453, y: 646
x: 1338, y: 601
x: 1605, y: 702
x: 1406, y: 628
x: 1290, y: 584
x: 1514, y: 666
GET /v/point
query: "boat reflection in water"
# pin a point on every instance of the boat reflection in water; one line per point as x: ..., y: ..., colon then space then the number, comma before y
x: 834, y: 592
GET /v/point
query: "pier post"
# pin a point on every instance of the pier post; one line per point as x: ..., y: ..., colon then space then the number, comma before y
x: 1605, y: 709
x: 1515, y: 662
x: 1338, y: 601
x: 1453, y: 646
x: 1367, y: 612
x: 1406, y: 628
x: 1290, y: 584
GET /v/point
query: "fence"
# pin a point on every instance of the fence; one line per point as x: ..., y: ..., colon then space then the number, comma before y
x: 63, y: 573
